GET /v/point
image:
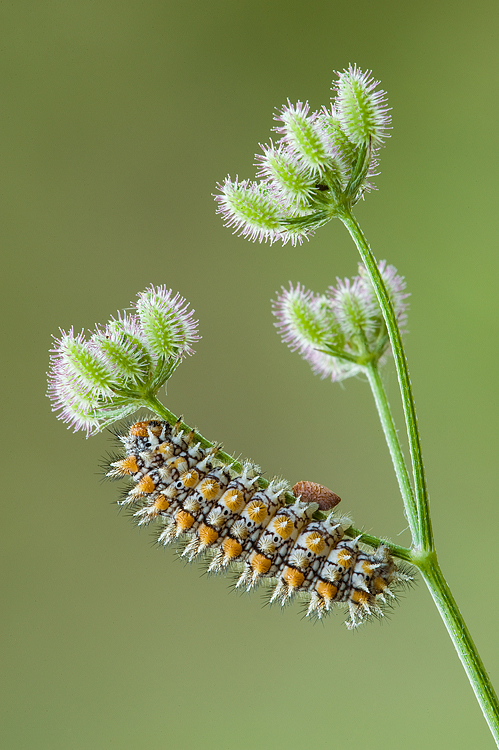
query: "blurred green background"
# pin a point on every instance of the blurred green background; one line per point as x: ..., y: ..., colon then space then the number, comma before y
x: 118, y: 119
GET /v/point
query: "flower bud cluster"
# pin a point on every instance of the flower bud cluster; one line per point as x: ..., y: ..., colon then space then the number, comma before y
x: 341, y: 331
x: 323, y: 161
x: 95, y: 381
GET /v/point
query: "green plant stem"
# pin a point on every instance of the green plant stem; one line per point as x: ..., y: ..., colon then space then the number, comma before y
x: 374, y: 541
x: 437, y: 585
x: 424, y: 537
x: 394, y: 447
x: 462, y: 640
x: 423, y: 555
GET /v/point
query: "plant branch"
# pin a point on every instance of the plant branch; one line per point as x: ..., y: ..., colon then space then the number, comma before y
x: 423, y: 555
x: 462, y: 640
x: 424, y: 537
x: 394, y: 446
x: 374, y: 541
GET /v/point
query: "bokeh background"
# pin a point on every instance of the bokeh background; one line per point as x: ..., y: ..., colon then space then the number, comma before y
x: 118, y: 119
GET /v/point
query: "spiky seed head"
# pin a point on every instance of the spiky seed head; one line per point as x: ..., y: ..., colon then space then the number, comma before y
x: 334, y: 332
x: 298, y: 322
x: 356, y: 311
x: 251, y: 209
x: 168, y: 326
x: 69, y: 400
x: 82, y: 361
x: 94, y: 383
x: 121, y: 353
x: 346, y: 150
x: 82, y: 385
x: 332, y: 368
x: 305, y: 136
x: 287, y: 177
x: 322, y: 159
x: 128, y: 326
x: 306, y: 323
x: 361, y: 109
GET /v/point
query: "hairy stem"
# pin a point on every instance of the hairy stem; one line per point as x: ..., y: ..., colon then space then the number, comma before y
x: 423, y: 554
x: 394, y: 447
x: 424, y: 537
x: 462, y: 640
x: 373, y: 541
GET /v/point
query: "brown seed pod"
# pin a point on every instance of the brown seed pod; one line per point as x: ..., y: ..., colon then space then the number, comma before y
x: 316, y: 493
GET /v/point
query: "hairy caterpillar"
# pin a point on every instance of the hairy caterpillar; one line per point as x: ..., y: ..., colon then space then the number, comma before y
x: 228, y: 514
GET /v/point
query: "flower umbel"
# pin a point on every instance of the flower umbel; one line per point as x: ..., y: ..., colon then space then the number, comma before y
x: 321, y: 165
x: 340, y: 331
x: 107, y: 377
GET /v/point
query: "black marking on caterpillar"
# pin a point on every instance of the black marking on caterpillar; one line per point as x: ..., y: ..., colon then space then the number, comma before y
x: 226, y: 514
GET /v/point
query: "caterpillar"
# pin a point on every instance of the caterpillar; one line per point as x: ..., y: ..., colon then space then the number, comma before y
x: 227, y: 513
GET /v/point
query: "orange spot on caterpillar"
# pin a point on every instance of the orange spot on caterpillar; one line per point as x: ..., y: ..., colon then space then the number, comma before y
x: 311, y: 492
x: 180, y: 464
x: 231, y: 548
x: 283, y: 525
x: 367, y: 567
x: 233, y: 500
x: 293, y: 577
x: 360, y: 597
x: 327, y: 590
x: 209, y: 489
x: 126, y: 466
x: 260, y: 564
x: 344, y: 558
x: 161, y: 503
x: 207, y: 534
x: 184, y: 520
x: 145, y: 486
x: 380, y: 585
x: 257, y: 511
x: 166, y: 449
x: 190, y: 478
x: 315, y: 542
